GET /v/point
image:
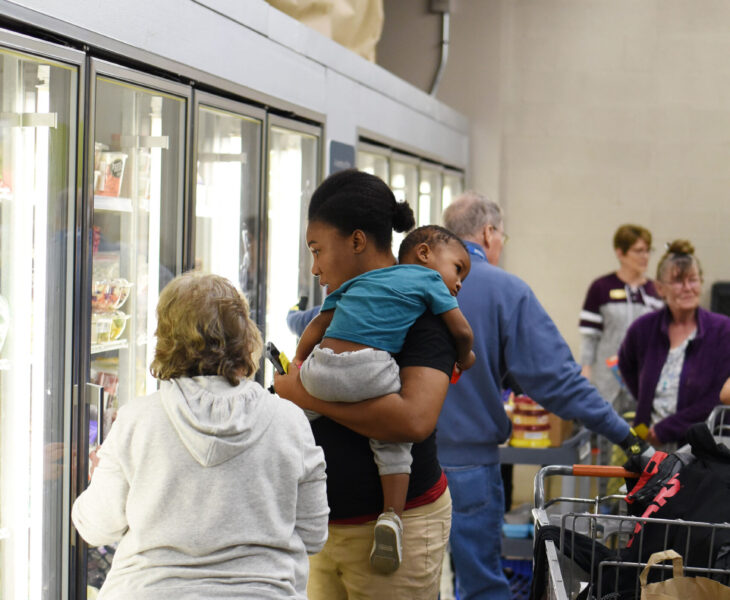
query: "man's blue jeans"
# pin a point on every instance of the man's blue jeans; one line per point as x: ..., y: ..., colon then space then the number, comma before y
x: 476, y: 531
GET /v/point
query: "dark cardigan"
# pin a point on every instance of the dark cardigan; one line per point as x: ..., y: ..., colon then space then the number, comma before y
x: 706, y: 368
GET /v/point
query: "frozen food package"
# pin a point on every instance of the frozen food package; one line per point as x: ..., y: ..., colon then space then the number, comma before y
x: 111, y: 167
x: 100, y: 296
x: 119, y: 322
x: 119, y: 291
x: 109, y: 381
x: 106, y: 265
x: 98, y: 149
x: 101, y: 326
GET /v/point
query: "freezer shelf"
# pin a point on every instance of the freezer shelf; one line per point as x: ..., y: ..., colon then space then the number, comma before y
x: 109, y: 346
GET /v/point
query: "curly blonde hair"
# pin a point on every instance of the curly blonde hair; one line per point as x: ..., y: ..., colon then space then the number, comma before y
x: 204, y: 328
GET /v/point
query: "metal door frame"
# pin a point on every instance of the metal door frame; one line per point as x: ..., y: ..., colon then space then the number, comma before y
x: 96, y: 68
x: 316, y: 131
x: 73, y: 355
x: 235, y: 108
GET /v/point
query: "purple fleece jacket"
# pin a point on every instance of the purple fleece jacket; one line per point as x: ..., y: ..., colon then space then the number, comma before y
x: 706, y: 368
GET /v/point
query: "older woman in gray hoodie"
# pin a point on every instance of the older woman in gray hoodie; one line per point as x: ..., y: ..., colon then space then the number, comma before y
x: 212, y: 486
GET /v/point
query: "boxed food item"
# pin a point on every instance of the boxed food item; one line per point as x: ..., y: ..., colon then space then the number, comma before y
x: 535, y: 427
x: 111, y: 172
x: 560, y: 429
x: 101, y: 326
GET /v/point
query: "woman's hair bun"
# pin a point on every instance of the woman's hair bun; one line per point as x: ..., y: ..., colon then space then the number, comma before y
x: 680, y: 247
x: 403, y: 218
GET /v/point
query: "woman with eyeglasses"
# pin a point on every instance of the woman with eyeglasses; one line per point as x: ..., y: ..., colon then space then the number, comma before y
x: 612, y: 303
x: 676, y: 361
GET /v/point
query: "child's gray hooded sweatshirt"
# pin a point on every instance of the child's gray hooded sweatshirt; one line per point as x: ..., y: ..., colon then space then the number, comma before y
x: 212, y: 491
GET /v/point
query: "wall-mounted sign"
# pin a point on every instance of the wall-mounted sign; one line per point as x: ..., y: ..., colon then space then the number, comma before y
x: 342, y: 156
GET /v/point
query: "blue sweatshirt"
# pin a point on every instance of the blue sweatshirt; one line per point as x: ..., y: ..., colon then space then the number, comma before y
x: 297, y: 320
x: 513, y: 335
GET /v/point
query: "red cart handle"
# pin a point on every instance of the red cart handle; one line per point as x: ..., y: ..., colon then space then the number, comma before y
x: 603, y: 471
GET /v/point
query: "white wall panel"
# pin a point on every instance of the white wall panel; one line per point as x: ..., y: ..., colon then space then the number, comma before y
x: 258, y: 47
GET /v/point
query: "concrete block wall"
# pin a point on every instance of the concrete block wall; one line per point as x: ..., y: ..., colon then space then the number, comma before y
x: 587, y: 114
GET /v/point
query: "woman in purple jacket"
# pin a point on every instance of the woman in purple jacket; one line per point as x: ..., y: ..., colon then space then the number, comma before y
x: 675, y: 361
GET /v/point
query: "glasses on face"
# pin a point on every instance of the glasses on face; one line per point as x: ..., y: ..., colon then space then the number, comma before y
x: 678, y: 284
x: 640, y: 251
x: 501, y: 232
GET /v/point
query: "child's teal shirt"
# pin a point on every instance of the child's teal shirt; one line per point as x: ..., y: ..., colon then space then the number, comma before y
x: 378, y: 308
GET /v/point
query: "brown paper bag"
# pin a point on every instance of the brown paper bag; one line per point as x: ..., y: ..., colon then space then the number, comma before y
x: 679, y: 587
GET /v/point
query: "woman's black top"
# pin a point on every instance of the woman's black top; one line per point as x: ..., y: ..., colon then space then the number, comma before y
x: 353, y: 483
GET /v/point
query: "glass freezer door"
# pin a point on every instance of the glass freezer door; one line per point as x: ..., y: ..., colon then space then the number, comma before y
x: 429, y: 198
x: 293, y: 176
x: 138, y: 153
x: 453, y: 187
x: 38, y: 148
x: 373, y: 162
x: 227, y: 194
x: 404, y: 183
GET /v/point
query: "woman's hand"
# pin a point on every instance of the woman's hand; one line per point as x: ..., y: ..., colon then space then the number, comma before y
x: 652, y: 438
x: 468, y: 362
x: 725, y: 392
x: 289, y: 387
x: 93, y: 461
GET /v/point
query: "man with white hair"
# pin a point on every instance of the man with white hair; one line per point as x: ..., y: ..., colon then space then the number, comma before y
x: 516, y: 340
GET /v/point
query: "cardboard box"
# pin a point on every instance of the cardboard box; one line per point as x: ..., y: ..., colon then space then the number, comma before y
x: 560, y: 430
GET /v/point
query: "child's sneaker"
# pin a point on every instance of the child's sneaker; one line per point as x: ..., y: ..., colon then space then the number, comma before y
x: 387, y: 552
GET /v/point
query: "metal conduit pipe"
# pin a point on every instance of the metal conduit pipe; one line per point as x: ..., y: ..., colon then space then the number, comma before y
x: 444, y: 51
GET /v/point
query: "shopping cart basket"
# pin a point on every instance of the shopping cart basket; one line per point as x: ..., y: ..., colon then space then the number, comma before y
x: 719, y: 422
x: 585, y: 555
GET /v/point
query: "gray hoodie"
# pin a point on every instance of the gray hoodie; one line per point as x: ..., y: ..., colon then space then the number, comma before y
x: 212, y: 491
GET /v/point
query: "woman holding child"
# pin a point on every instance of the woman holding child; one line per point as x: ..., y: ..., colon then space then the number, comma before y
x: 351, y: 219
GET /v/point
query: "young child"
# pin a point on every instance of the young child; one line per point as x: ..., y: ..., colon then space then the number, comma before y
x: 346, y: 351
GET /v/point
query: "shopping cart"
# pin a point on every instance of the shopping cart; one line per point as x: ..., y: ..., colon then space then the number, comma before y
x: 593, y: 561
x: 719, y: 423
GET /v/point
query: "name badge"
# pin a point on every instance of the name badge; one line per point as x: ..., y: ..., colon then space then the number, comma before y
x: 617, y: 294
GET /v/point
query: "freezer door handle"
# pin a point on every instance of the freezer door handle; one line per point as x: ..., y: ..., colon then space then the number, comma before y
x: 95, y: 397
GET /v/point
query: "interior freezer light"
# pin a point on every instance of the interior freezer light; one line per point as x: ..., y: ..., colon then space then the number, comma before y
x: 424, y: 210
x: 17, y: 284
x: 446, y: 198
x: 38, y: 346
x: 153, y: 260
x: 285, y: 176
